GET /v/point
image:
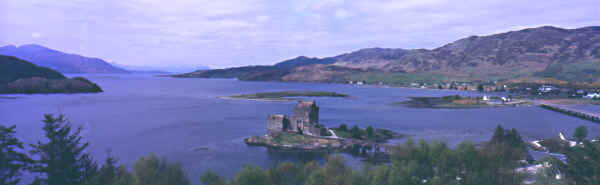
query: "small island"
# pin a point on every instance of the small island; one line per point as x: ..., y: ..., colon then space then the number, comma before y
x: 285, y: 95
x: 302, y: 131
x: 459, y: 102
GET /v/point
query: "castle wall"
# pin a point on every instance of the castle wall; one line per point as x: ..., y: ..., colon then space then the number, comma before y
x: 311, y: 130
x: 275, y: 123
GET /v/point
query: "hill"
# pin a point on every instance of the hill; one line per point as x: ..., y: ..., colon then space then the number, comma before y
x: 545, y: 52
x: 62, y: 62
x: 19, y: 76
x: 258, y: 73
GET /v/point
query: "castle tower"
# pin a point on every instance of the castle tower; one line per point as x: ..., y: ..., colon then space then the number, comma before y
x: 307, y: 112
x: 305, y: 118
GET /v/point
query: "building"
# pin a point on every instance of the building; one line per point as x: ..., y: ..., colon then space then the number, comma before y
x: 547, y: 88
x: 305, y: 120
x: 592, y: 95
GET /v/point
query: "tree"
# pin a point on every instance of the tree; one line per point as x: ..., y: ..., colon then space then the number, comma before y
x: 286, y: 173
x: 380, y: 175
x: 580, y: 134
x: 316, y: 178
x: 152, y: 171
x: 343, y: 127
x: 335, y: 171
x: 12, y: 161
x: 583, y: 163
x: 62, y: 159
x: 109, y: 173
x: 498, y: 136
x: 211, y: 178
x: 123, y: 177
x: 286, y: 124
x: 355, y: 131
x: 250, y: 175
x: 370, y: 132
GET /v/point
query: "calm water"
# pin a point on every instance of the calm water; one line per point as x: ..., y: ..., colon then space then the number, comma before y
x: 140, y: 114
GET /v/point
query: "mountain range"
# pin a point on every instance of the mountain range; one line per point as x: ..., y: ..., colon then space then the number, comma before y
x: 159, y: 69
x: 62, y: 62
x: 536, y: 53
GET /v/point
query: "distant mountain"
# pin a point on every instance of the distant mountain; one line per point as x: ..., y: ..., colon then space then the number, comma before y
x: 544, y: 52
x: 62, y: 62
x: 159, y: 69
x: 19, y: 76
x: 258, y: 72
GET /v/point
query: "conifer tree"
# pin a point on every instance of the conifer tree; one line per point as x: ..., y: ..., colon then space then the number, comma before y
x: 12, y: 162
x: 62, y: 160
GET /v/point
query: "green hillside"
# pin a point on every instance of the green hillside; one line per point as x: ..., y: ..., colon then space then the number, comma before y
x: 12, y: 68
x: 21, y: 77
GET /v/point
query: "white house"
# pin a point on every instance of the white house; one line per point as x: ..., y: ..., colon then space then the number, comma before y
x: 547, y: 88
x: 592, y: 95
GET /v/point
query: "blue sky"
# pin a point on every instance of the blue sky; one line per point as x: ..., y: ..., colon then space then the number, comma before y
x: 227, y: 33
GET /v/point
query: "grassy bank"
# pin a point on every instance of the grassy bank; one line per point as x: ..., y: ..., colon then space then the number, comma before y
x: 445, y: 102
x: 282, y: 95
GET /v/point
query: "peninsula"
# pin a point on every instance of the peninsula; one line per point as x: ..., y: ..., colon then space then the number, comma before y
x: 22, y: 77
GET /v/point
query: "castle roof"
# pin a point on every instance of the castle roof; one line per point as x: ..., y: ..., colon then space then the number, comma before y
x: 305, y: 104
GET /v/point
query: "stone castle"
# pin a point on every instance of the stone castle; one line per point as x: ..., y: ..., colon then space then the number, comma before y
x: 305, y: 120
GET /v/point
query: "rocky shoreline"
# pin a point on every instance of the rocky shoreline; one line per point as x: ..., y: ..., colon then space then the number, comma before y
x: 282, y: 141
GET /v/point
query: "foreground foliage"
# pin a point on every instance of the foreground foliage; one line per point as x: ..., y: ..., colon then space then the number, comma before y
x: 61, y: 160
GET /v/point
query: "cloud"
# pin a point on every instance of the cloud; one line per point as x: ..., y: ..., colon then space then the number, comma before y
x: 36, y: 35
x: 341, y: 14
x: 240, y: 32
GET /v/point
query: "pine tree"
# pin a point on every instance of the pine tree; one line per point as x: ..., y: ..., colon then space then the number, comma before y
x: 580, y: 133
x: 62, y: 160
x: 355, y: 131
x: 370, y: 132
x: 12, y: 162
x: 108, y: 173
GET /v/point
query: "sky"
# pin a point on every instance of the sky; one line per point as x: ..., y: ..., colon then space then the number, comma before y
x: 227, y: 33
